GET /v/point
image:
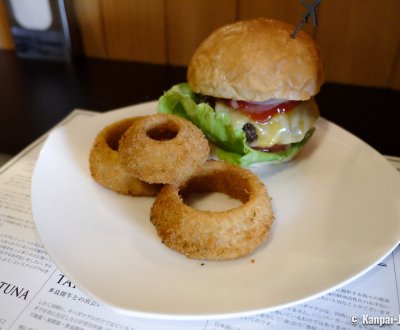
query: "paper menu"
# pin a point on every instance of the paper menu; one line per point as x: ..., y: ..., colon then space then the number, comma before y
x: 34, y: 294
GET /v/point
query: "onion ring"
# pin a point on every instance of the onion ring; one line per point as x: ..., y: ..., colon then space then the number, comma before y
x: 215, y: 235
x: 105, y: 167
x: 163, y: 148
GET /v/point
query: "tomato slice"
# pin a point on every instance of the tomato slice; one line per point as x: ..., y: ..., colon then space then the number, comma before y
x: 259, y: 111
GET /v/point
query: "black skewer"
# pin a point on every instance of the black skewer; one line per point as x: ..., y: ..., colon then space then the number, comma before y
x: 311, y: 11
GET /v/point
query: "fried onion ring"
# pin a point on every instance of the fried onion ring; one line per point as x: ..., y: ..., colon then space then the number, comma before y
x: 163, y: 148
x: 215, y: 235
x: 105, y: 167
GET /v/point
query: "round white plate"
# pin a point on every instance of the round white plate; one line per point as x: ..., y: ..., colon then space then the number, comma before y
x: 337, y: 209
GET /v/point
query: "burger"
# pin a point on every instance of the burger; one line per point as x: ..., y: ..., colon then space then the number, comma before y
x: 250, y: 89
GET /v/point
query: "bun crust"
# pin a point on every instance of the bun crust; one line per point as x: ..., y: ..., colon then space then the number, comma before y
x: 255, y: 60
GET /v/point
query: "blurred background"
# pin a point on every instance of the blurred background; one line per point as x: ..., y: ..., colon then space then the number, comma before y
x: 121, y: 52
x: 360, y: 39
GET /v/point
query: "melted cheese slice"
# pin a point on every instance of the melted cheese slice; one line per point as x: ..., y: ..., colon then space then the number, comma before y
x: 284, y: 128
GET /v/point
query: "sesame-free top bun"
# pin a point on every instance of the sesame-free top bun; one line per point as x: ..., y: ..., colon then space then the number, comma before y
x: 255, y: 60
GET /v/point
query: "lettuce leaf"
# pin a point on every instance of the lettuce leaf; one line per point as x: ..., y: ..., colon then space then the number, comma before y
x: 231, y: 143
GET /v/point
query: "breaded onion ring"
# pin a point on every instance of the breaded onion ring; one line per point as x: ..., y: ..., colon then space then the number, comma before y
x: 214, y: 235
x: 163, y: 148
x: 105, y: 167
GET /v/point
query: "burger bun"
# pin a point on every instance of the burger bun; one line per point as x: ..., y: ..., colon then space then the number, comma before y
x: 256, y: 60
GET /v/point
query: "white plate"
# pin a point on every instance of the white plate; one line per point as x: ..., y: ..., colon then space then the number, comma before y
x: 337, y: 210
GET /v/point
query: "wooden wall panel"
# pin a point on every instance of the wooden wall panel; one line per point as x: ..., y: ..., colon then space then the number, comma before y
x: 394, y: 81
x: 135, y: 30
x: 6, y: 41
x: 89, y: 15
x: 290, y: 11
x: 189, y: 22
x: 359, y: 40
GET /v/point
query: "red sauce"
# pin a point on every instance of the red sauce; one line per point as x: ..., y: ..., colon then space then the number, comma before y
x: 259, y: 112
